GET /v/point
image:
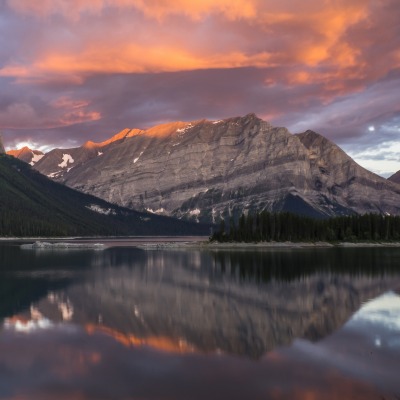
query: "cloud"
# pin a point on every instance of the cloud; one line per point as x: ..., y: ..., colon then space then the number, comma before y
x: 382, y: 158
x: 19, y: 111
x: 115, y: 37
x: 239, y: 34
x: 125, y: 59
x: 329, y: 66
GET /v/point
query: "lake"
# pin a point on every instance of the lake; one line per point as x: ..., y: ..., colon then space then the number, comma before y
x: 126, y: 323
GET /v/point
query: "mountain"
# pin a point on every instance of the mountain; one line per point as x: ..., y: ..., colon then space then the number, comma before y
x: 207, y: 169
x: 33, y: 205
x: 26, y: 154
x: 395, y: 177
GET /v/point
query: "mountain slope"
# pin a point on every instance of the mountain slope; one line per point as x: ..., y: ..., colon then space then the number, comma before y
x: 395, y: 177
x: 204, y: 170
x: 33, y: 205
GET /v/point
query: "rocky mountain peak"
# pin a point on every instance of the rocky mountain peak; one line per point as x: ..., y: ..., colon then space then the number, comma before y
x: 312, y: 140
x: 90, y: 145
x: 250, y: 117
x: 18, y: 152
x: 27, y: 155
x: 169, y: 129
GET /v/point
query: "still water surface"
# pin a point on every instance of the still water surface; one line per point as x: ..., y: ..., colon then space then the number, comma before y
x: 126, y: 323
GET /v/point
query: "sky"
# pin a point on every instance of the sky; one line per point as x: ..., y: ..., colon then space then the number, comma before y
x: 78, y: 70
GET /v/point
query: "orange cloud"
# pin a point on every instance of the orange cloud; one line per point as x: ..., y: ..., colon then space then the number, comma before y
x: 310, y: 38
x: 318, y: 35
x: 130, y: 58
x: 314, y: 36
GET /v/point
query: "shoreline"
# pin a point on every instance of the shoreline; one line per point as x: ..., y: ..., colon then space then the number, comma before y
x: 262, y: 245
x: 193, y: 242
x: 297, y: 245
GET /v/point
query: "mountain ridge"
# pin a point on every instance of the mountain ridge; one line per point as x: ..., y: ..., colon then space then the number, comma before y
x: 208, y: 170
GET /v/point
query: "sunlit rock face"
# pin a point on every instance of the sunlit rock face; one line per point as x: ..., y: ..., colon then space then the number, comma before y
x: 204, y: 170
x: 27, y: 155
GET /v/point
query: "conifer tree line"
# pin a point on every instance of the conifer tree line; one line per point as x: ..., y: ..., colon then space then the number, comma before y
x: 281, y: 227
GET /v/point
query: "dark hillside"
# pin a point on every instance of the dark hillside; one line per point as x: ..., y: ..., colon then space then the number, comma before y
x: 33, y: 205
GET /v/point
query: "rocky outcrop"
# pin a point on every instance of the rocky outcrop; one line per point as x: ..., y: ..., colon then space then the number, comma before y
x: 205, y: 170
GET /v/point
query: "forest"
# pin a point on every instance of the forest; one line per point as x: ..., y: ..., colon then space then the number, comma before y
x: 281, y: 227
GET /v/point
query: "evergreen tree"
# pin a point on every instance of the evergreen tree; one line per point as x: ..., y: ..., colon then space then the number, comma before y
x: 267, y: 226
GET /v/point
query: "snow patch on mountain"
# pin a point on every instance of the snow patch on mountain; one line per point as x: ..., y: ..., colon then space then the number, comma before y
x: 185, y: 129
x: 54, y: 174
x: 195, y: 213
x: 66, y: 158
x: 137, y: 158
x: 101, y: 210
x: 36, y: 158
x: 159, y: 211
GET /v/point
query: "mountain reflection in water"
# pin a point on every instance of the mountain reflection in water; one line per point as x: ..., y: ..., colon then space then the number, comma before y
x: 127, y: 323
